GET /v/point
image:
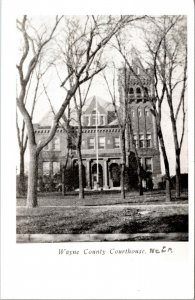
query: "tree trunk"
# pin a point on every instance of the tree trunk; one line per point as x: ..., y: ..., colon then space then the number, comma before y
x: 122, y: 181
x: 81, y: 189
x: 32, y: 178
x: 176, y: 144
x: 130, y: 131
x: 123, y: 165
x: 140, y: 179
x: 166, y: 163
x: 63, y: 182
x: 21, y: 176
x: 178, y: 175
x: 168, y: 189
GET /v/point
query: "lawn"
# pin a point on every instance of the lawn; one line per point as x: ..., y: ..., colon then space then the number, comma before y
x: 103, y: 219
x: 97, y: 198
x: 105, y: 214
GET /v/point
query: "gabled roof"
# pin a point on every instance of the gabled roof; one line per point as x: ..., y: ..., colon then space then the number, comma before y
x: 47, y: 119
x: 103, y: 107
x: 92, y: 106
x: 115, y: 122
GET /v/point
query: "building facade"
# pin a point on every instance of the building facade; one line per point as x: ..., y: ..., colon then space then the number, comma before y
x: 101, y: 144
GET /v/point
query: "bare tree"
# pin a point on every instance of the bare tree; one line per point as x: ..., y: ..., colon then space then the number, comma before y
x: 32, y: 50
x: 125, y: 122
x: 21, y: 128
x: 121, y: 113
x: 79, y: 102
x: 84, y: 41
x: 172, y: 69
x: 153, y: 47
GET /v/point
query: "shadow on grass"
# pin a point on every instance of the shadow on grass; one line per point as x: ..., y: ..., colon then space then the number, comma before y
x: 158, y: 224
x: 165, y: 224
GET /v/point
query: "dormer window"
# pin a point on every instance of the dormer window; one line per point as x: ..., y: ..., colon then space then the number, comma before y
x: 86, y: 121
x: 102, y: 120
x: 93, y: 120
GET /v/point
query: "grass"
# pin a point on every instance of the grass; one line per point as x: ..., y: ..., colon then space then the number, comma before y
x: 92, y: 199
x: 102, y: 219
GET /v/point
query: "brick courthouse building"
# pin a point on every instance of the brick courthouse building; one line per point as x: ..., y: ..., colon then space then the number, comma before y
x: 53, y: 158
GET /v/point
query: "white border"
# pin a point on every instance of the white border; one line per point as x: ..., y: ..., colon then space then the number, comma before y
x: 37, y: 271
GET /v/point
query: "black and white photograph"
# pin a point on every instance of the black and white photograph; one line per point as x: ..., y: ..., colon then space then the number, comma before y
x: 102, y: 128
x: 97, y: 150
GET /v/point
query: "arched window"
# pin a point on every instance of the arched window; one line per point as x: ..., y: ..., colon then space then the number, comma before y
x: 147, y: 112
x: 146, y: 90
x: 131, y: 91
x: 139, y: 112
x: 138, y: 90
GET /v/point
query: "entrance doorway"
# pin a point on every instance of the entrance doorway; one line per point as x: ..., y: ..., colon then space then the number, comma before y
x: 76, y: 176
x: 94, y: 176
x: 115, y: 174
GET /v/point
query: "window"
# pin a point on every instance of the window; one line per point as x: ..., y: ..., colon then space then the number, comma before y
x: 56, y: 167
x: 148, y: 140
x: 56, y: 144
x: 131, y: 91
x: 86, y: 121
x: 135, y: 140
x: 148, y: 164
x: 141, y: 141
x: 132, y: 113
x: 147, y: 112
x: 91, y: 143
x: 116, y: 142
x: 139, y: 112
x: 138, y: 90
x: 93, y: 120
x: 101, y: 120
x: 146, y: 91
x: 47, y: 147
x: 46, y: 168
x: 101, y: 142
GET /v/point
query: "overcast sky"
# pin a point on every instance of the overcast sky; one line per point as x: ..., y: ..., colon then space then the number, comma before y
x: 99, y: 88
